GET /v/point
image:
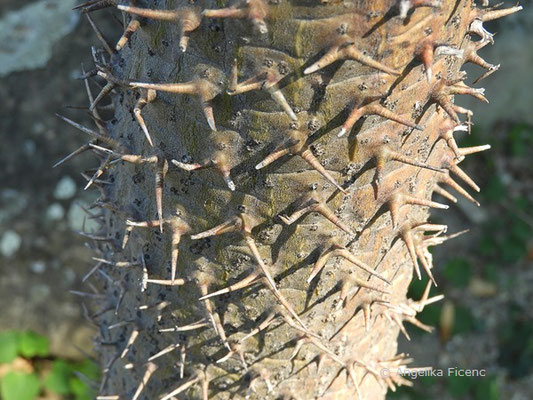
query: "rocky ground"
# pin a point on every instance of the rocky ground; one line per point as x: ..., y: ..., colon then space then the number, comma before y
x: 41, y: 258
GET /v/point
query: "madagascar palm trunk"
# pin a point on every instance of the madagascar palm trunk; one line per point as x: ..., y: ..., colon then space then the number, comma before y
x: 266, y: 180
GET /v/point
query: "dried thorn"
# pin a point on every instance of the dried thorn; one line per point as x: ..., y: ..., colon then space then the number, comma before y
x: 219, y: 161
x: 407, y: 237
x: 461, y: 174
x: 425, y: 264
x: 131, y: 340
x: 75, y: 153
x: 348, y: 283
x: 195, y: 379
x: 191, y: 327
x: 374, y: 109
x: 336, y: 250
x: 353, y: 378
x: 444, y: 193
x: 404, y: 6
x: 100, y: 36
x: 103, y: 166
x: 94, y: 5
x: 383, y: 154
x: 296, y: 144
x: 273, y: 157
x: 105, y: 90
x: 162, y: 168
x: 167, y: 282
x: 144, y: 281
x: 232, y: 225
x: 367, y: 316
x: 254, y: 10
x: 314, y: 205
x: 92, y: 271
x: 150, y: 369
x: 487, y: 73
x: 147, y: 96
x: 85, y: 294
x: 247, y: 281
x: 187, y: 18
x: 202, y: 88
x: 127, y: 234
x: 132, y: 27
x: 119, y: 324
x: 347, y: 50
x: 279, y: 98
x: 495, y: 14
x: 265, y: 80
x: 234, y: 349
x: 88, y: 131
x: 464, y: 151
x: 299, y: 343
x: 166, y: 350
x: 308, y: 156
x: 262, y: 326
x: 476, y: 26
x: 461, y: 88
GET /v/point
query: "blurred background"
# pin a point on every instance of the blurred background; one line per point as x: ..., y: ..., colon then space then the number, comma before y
x: 485, y: 321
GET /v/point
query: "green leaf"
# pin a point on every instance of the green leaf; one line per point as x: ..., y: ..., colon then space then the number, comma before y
x: 32, y: 344
x: 417, y: 287
x: 520, y: 137
x: 58, y: 378
x: 8, y: 346
x: 458, y: 271
x: 464, y: 320
x: 80, y: 389
x: 487, y: 389
x: 430, y: 315
x: 459, y: 385
x: 492, y: 273
x: 494, y: 191
x: 87, y: 368
x: 512, y: 250
x: 19, y: 386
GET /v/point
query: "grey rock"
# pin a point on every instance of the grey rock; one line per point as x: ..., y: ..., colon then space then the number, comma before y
x: 28, y: 34
x: 10, y: 243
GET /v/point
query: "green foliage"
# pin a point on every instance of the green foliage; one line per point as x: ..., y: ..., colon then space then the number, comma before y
x: 487, y: 389
x: 459, y: 386
x: 31, y: 344
x: 19, y: 386
x: 520, y: 138
x: 464, y: 321
x: 494, y: 190
x: 430, y: 315
x: 8, y: 346
x: 59, y: 379
x: 516, y: 342
x: 458, y: 271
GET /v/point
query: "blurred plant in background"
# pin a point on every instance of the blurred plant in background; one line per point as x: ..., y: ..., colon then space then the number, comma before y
x: 486, y: 320
x: 27, y: 371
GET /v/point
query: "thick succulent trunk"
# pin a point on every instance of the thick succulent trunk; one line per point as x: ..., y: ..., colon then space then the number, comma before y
x: 273, y: 168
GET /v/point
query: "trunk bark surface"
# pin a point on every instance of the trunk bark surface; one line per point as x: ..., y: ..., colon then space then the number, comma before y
x: 295, y: 156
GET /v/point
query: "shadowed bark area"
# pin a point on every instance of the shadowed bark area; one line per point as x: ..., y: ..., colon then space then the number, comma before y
x: 268, y: 191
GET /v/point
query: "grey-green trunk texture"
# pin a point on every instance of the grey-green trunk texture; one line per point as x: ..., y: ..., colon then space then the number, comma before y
x: 284, y: 153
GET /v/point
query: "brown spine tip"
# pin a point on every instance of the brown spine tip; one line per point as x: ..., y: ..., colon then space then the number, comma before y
x: 346, y: 50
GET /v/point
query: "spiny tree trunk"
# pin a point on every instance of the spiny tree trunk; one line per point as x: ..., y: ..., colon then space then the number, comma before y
x: 265, y: 182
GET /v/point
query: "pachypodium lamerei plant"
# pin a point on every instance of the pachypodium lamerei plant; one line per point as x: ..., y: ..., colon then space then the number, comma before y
x: 266, y: 169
